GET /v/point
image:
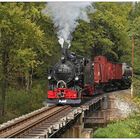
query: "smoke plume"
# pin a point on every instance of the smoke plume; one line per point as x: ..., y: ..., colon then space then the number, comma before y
x: 65, y: 16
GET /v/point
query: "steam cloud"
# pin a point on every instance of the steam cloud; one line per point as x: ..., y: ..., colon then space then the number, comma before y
x: 65, y: 16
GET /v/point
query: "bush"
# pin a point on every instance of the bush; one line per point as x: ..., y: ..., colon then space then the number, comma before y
x: 19, y: 102
x: 136, y: 83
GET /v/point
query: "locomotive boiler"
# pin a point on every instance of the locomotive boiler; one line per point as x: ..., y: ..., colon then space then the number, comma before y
x: 73, y: 77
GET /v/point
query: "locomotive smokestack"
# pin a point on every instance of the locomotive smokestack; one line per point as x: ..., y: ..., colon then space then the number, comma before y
x: 65, y: 49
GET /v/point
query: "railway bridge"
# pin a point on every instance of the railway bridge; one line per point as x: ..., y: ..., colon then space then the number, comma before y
x: 62, y: 121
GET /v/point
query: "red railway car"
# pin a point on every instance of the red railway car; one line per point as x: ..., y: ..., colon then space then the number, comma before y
x: 118, y: 71
x: 105, y: 71
x: 109, y: 71
x: 100, y: 69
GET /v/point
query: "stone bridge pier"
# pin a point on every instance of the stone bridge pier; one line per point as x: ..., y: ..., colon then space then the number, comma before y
x: 75, y: 131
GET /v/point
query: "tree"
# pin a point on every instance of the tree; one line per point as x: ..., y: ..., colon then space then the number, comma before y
x: 21, y: 40
x: 106, y: 34
x: 134, y: 29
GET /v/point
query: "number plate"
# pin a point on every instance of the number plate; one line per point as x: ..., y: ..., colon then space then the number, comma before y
x: 62, y: 101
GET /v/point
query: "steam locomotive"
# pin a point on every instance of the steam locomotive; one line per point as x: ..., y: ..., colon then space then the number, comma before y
x: 75, y: 77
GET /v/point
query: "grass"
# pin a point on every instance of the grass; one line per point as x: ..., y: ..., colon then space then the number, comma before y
x: 128, y: 128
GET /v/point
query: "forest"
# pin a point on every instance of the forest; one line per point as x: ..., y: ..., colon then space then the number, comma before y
x: 29, y: 46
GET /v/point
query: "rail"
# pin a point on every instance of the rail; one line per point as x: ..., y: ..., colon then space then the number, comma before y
x: 24, y: 124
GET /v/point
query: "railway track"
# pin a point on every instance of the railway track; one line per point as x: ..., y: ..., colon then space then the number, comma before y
x: 26, y: 126
x: 43, y: 122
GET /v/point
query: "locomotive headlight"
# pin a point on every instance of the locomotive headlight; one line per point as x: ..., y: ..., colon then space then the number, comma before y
x: 49, y: 77
x: 76, y: 78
